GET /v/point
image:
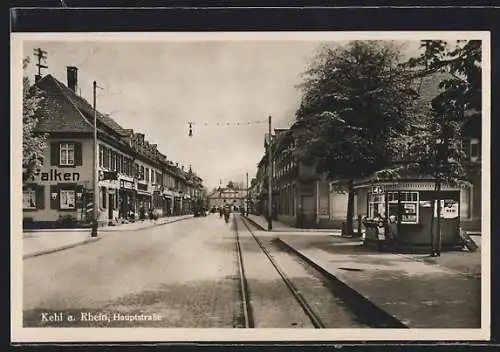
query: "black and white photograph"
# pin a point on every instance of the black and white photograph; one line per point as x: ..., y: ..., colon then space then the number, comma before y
x: 231, y: 186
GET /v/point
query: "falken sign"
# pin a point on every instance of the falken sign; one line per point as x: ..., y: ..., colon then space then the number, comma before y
x: 57, y: 175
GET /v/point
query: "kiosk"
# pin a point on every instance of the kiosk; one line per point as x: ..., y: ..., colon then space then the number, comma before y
x: 410, y: 202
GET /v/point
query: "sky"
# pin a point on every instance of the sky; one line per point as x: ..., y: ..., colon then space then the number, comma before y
x: 157, y: 88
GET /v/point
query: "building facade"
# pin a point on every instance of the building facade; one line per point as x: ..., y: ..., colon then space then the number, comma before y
x: 221, y: 197
x: 303, y: 198
x: 132, y: 173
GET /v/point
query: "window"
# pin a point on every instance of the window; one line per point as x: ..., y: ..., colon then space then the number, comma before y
x: 105, y: 162
x: 101, y: 155
x: 409, y: 205
x: 67, y: 154
x: 67, y: 199
x: 475, y: 149
x: 113, y: 160
x: 110, y: 159
x: 29, y: 199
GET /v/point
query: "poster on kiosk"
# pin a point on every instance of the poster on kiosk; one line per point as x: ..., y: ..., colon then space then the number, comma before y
x: 449, y: 209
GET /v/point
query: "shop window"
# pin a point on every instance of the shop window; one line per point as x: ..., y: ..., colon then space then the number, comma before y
x: 147, y: 174
x: 67, y: 199
x: 29, y: 199
x: 67, y: 154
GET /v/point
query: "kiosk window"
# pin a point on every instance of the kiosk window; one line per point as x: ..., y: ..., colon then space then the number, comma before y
x: 409, y: 205
x: 376, y: 205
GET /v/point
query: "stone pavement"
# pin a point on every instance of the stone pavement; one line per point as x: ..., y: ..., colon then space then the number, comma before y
x: 38, y: 242
x: 261, y: 222
x: 184, y: 272
x: 444, y: 292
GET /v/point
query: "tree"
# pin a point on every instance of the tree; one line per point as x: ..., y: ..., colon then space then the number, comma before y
x: 356, y: 100
x: 34, y: 144
x: 231, y: 185
x: 435, y: 146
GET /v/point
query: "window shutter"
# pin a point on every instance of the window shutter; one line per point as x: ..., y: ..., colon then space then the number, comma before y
x: 54, y: 153
x: 78, y: 153
x: 40, y: 197
x: 54, y: 203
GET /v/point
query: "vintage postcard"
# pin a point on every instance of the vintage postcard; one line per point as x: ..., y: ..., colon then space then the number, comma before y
x: 250, y: 186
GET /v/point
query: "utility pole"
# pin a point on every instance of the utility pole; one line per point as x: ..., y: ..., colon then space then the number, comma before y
x: 41, y: 55
x: 95, y: 170
x: 269, y: 180
x: 246, y: 208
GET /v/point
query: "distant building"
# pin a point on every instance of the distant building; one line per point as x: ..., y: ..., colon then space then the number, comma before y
x: 221, y: 197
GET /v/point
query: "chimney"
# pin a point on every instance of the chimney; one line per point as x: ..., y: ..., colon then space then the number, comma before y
x: 72, y: 75
x: 182, y: 167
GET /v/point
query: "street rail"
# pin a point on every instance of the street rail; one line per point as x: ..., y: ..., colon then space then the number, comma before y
x: 244, y: 292
x: 315, y: 320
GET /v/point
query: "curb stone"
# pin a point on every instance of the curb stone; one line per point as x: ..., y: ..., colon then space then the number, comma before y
x: 362, y: 305
x: 146, y: 226
x: 90, y: 240
x: 256, y: 224
x: 331, y: 232
x: 61, y: 248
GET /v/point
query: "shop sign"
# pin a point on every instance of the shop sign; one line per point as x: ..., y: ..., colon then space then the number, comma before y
x: 142, y: 187
x: 378, y: 190
x: 57, y: 175
x: 127, y: 184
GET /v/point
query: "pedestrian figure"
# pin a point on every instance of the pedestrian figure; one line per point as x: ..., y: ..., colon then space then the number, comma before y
x: 392, y: 230
x: 142, y: 212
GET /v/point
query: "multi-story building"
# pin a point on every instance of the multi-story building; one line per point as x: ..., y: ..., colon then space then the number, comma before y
x: 298, y: 193
x: 62, y: 191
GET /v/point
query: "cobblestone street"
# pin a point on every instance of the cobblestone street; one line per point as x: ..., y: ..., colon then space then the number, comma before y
x: 186, y: 274
x: 182, y: 272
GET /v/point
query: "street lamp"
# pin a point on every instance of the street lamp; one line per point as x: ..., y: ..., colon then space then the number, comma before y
x: 269, y: 180
x: 95, y: 169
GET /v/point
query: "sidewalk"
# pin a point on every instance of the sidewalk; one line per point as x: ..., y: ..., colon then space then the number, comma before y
x: 41, y: 242
x: 145, y: 224
x: 261, y: 223
x: 419, y: 292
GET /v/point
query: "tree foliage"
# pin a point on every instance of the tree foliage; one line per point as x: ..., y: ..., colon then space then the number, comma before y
x: 435, y: 143
x: 355, y: 106
x: 34, y: 144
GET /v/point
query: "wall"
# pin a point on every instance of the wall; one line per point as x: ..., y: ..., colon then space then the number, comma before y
x: 57, y: 173
x: 338, y: 205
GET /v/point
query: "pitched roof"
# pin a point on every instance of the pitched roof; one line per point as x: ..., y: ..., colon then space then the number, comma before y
x: 66, y: 111
x: 60, y: 114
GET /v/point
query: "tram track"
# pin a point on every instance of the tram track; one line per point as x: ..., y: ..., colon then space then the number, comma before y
x: 244, y: 291
x: 325, y: 301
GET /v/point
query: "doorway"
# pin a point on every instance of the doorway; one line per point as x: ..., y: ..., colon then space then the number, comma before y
x: 111, y: 202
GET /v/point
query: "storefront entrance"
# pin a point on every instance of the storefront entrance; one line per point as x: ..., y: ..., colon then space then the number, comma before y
x: 111, y: 203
